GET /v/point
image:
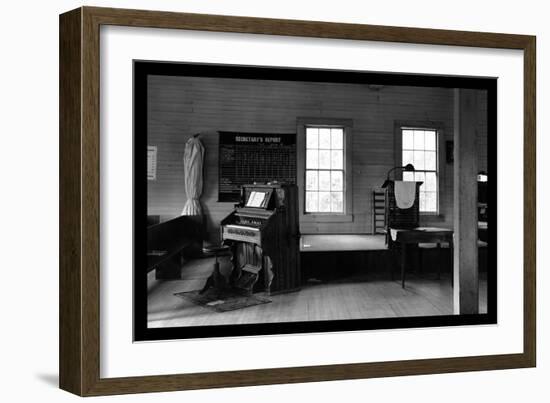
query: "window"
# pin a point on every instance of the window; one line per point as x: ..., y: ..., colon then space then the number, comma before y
x: 324, y: 173
x: 324, y: 170
x: 419, y: 147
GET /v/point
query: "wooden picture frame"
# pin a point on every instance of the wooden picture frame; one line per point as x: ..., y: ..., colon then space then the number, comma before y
x: 80, y: 216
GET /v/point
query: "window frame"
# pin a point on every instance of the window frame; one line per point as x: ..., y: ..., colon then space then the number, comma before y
x: 346, y: 125
x: 438, y: 127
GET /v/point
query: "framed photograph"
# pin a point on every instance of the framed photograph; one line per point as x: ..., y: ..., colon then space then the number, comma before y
x: 238, y: 193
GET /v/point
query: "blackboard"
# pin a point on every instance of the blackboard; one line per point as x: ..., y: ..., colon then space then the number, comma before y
x: 245, y: 158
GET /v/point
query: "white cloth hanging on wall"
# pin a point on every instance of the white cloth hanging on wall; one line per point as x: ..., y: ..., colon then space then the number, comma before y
x: 405, y: 194
x: 193, y: 157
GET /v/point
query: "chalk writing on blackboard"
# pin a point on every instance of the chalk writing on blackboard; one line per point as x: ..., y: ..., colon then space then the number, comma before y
x: 246, y: 158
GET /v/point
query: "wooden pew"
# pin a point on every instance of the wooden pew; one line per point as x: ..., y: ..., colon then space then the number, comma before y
x: 169, y: 242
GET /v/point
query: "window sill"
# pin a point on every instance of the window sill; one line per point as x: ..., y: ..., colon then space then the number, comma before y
x: 326, y: 217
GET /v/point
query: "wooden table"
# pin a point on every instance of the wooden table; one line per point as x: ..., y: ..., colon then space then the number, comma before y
x: 419, y: 235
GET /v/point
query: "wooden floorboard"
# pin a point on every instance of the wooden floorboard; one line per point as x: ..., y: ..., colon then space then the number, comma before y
x: 354, y: 297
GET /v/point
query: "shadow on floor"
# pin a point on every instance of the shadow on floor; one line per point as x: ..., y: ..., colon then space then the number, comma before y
x: 49, y: 379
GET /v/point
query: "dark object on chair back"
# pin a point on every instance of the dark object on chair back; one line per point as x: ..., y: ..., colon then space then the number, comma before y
x: 398, y: 218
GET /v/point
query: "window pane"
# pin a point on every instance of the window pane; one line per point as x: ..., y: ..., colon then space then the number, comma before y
x: 337, y: 138
x: 337, y: 159
x: 422, y: 201
x: 324, y: 180
x: 324, y: 159
x: 431, y: 184
x: 324, y: 138
x: 408, y: 139
x: 312, y: 202
x: 430, y: 202
x: 324, y: 202
x: 419, y: 139
x: 312, y: 159
x: 312, y: 180
x: 337, y: 202
x: 312, y: 137
x: 324, y: 187
x: 429, y: 140
x: 337, y: 180
x: 407, y: 157
x: 429, y: 159
x: 418, y: 160
x: 420, y: 149
x: 421, y: 177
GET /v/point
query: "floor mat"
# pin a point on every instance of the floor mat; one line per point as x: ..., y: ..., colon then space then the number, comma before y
x: 222, y: 301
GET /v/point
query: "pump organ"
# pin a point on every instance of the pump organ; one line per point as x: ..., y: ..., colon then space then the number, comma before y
x: 263, y: 234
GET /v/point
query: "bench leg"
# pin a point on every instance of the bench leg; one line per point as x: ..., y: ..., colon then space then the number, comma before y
x: 169, y: 269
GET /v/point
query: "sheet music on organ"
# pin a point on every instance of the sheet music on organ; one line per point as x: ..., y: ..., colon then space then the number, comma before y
x: 256, y: 199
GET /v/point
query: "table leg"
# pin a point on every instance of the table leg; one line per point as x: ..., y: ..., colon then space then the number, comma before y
x: 392, y: 260
x: 452, y: 263
x: 439, y: 261
x: 420, y: 260
x: 403, y: 262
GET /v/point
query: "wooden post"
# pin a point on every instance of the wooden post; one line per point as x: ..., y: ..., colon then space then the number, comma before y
x: 465, y: 264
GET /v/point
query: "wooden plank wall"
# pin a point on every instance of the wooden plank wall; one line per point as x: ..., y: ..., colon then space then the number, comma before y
x: 179, y: 107
x: 481, y: 130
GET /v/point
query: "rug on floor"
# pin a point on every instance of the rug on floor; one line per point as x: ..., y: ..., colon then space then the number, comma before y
x: 222, y: 300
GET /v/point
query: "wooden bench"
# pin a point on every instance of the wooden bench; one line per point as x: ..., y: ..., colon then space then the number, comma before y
x: 170, y: 241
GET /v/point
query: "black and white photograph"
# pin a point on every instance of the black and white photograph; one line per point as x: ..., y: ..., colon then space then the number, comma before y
x: 288, y: 200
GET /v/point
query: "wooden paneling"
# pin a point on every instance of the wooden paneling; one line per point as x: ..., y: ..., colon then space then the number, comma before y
x: 465, y: 266
x: 182, y: 106
x: 481, y: 132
